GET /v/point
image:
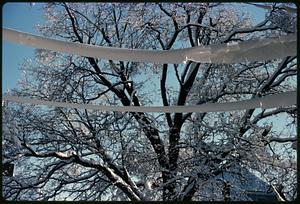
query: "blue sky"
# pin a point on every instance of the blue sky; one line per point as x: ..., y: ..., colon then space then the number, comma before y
x: 24, y: 17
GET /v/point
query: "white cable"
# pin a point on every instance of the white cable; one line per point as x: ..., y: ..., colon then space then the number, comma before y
x: 254, y: 50
x: 270, y: 101
x: 288, y: 9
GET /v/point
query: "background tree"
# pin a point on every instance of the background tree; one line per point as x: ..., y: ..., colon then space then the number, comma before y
x: 76, y: 154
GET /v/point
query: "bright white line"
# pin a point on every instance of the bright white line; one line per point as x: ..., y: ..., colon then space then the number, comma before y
x: 254, y: 50
x: 270, y: 101
x: 288, y: 9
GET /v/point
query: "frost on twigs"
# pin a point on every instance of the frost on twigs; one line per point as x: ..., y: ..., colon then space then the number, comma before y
x: 45, y: 56
x: 283, y: 19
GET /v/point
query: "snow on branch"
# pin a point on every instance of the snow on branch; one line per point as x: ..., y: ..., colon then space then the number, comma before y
x: 282, y: 140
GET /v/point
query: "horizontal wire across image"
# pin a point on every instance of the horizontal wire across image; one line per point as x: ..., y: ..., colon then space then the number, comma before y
x: 252, y: 50
x: 270, y: 101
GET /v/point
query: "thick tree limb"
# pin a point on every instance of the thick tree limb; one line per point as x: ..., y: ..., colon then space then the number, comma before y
x: 248, y: 30
x: 163, y: 92
x: 116, y: 179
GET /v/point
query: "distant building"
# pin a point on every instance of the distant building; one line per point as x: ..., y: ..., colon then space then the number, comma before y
x: 237, y: 184
x: 262, y: 196
x: 252, y: 187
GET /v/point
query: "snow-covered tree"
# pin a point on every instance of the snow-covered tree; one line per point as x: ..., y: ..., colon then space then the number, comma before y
x: 72, y: 154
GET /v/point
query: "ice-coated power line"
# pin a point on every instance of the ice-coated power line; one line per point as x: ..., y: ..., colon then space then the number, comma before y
x: 270, y: 101
x: 253, y: 50
x: 269, y: 7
